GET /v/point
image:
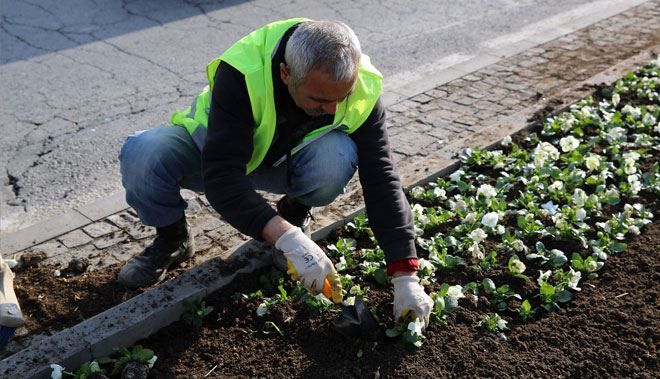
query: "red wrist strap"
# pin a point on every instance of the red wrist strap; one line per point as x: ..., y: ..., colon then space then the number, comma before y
x: 404, y: 265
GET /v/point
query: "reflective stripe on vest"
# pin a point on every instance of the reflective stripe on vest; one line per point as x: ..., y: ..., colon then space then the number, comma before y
x: 252, y: 56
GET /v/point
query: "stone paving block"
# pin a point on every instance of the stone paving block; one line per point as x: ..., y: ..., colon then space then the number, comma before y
x: 41, y: 232
x: 51, y: 248
x: 125, y: 251
x: 104, y: 206
x: 208, y: 222
x: 409, y: 143
x: 99, y: 229
x: 422, y: 98
x: 123, y: 219
x: 203, y: 243
x: 140, y: 231
x: 110, y: 240
x: 75, y: 238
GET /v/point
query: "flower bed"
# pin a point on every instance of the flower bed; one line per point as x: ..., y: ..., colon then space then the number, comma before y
x: 507, y: 243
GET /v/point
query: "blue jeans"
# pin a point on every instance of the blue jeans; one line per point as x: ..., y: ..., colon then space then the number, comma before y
x: 155, y: 164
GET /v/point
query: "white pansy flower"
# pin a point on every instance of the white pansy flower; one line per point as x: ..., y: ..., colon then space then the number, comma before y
x: 594, y: 265
x: 456, y: 175
x: 475, y: 251
x: 550, y: 207
x: 543, y: 276
x: 417, y: 191
x: 439, y: 193
x: 580, y: 214
x: 579, y: 197
x: 458, y: 205
x: 415, y: 329
x: 635, y: 112
x: 556, y: 186
x: 470, y: 218
x: 490, y: 219
x: 544, y: 152
x: 152, y: 361
x: 569, y: 144
x: 424, y: 264
x: 453, y: 294
x: 499, y: 229
x: 57, y: 371
x: 262, y: 309
x: 519, y: 246
x: 649, y: 119
x: 501, y: 323
x: 634, y: 230
x: 349, y: 301
x: 478, y: 235
x: 574, y: 280
x: 518, y: 267
x: 615, y: 99
x: 635, y: 184
x: 616, y: 134
x: 341, y: 265
x: 487, y: 191
x: 592, y: 162
x: 506, y: 141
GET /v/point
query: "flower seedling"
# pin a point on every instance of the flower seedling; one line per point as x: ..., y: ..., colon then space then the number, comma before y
x: 137, y: 360
x: 499, y: 295
x: 359, y: 226
x: 525, y: 310
x: 494, y: 323
x: 409, y: 330
x: 587, y: 266
x: 516, y: 268
x: 195, y: 312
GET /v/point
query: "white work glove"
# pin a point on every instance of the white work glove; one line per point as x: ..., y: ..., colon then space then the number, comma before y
x: 309, y: 264
x: 409, y: 296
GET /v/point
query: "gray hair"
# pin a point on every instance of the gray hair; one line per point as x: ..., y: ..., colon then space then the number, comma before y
x: 330, y: 46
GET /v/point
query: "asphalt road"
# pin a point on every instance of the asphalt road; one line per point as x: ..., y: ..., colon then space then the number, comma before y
x: 78, y: 76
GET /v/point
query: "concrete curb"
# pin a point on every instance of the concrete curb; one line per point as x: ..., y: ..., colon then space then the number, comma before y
x: 396, y: 89
x: 146, y: 313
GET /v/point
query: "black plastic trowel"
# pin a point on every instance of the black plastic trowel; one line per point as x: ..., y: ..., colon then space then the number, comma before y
x: 356, y: 321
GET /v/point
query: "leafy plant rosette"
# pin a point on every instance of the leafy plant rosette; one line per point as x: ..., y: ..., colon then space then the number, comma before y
x: 527, y: 222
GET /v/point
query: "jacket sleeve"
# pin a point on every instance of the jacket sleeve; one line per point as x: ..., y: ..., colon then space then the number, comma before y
x: 389, y: 213
x: 227, y: 150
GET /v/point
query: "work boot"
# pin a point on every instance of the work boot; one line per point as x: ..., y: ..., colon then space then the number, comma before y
x: 173, y: 244
x: 298, y: 215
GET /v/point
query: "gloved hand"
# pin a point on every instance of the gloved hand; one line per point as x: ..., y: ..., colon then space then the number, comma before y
x: 409, y: 296
x: 309, y: 264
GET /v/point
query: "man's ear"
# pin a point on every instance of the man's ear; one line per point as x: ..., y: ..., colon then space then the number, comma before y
x: 284, y: 73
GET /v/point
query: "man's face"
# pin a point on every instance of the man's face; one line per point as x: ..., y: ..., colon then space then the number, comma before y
x: 318, y: 95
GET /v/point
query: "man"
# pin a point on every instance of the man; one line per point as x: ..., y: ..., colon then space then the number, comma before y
x: 292, y: 108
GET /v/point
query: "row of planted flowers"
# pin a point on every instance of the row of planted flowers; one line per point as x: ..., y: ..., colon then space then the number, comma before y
x: 531, y: 220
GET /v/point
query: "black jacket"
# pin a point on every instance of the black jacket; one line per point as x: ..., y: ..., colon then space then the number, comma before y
x: 228, y: 148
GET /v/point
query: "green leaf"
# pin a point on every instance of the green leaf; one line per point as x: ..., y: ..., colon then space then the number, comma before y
x: 564, y: 296
x: 617, y: 247
x: 392, y: 333
x: 143, y: 355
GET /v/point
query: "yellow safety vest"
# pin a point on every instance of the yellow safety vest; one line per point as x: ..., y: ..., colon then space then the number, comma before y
x: 252, y: 56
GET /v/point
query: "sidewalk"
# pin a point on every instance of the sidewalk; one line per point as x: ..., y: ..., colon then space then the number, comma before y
x: 429, y: 122
x: 474, y: 103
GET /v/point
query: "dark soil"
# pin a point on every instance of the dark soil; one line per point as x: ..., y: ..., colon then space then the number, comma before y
x: 611, y: 329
